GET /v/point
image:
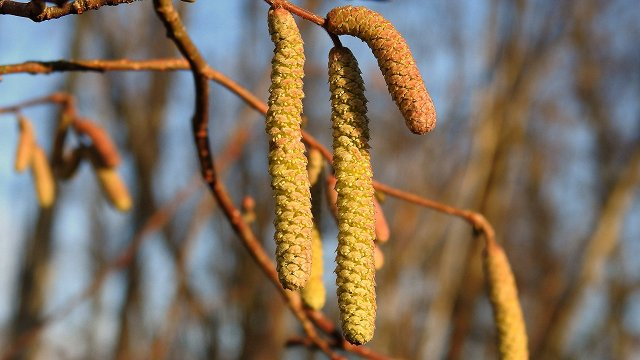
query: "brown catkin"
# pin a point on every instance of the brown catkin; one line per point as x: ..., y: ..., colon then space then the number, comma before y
x: 394, y: 59
x: 43, y: 177
x: 108, y: 152
x: 355, y: 272
x: 287, y: 162
x: 512, y: 335
x: 25, y: 144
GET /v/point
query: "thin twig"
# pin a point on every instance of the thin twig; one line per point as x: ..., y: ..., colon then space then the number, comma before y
x: 294, y: 9
x: 37, y: 12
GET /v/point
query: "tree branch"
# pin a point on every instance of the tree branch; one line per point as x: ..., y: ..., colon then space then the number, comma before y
x: 38, y: 11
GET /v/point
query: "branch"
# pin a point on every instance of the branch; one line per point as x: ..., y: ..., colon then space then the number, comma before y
x: 38, y: 11
x: 177, y: 32
x: 303, y: 13
x: 477, y: 220
x: 49, y: 67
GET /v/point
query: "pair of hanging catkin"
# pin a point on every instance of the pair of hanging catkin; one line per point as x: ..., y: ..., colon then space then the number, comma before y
x: 102, y: 154
x: 355, y: 271
x: 30, y: 154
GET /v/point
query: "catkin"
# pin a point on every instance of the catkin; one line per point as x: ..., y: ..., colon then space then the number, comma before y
x: 287, y: 163
x: 25, y: 144
x: 378, y: 257
x: 315, y: 166
x: 110, y: 181
x: 394, y: 59
x: 382, y: 227
x: 43, y: 177
x: 114, y: 188
x: 356, y: 223
x: 512, y: 336
x: 314, y: 293
x: 108, y: 152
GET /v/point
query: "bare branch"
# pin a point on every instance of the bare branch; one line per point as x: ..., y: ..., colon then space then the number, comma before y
x: 38, y: 11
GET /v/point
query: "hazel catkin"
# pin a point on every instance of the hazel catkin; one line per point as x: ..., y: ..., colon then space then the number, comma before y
x: 108, y: 152
x: 314, y: 293
x: 394, y: 59
x: 113, y: 187
x: 26, y: 144
x: 503, y: 294
x: 287, y: 162
x: 355, y: 273
x: 43, y: 177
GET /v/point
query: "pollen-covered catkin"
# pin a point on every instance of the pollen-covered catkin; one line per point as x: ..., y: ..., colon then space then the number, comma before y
x: 43, y: 177
x: 394, y: 59
x: 355, y: 273
x: 512, y: 335
x: 287, y: 162
x: 25, y: 144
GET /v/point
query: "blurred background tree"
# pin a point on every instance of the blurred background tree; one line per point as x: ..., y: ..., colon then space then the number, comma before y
x: 539, y: 130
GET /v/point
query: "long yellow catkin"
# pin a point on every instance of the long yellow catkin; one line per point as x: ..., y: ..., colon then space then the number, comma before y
x: 26, y: 143
x: 43, y: 177
x: 503, y: 294
x: 394, y: 59
x: 355, y: 272
x: 287, y: 163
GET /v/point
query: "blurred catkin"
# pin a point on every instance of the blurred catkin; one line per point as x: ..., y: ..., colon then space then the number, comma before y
x: 314, y: 293
x: 107, y: 150
x: 394, y: 59
x: 287, y: 162
x: 114, y: 188
x: 503, y: 294
x: 382, y: 227
x: 25, y: 144
x: 355, y: 273
x: 43, y: 177
x: 378, y: 257
x: 315, y: 166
